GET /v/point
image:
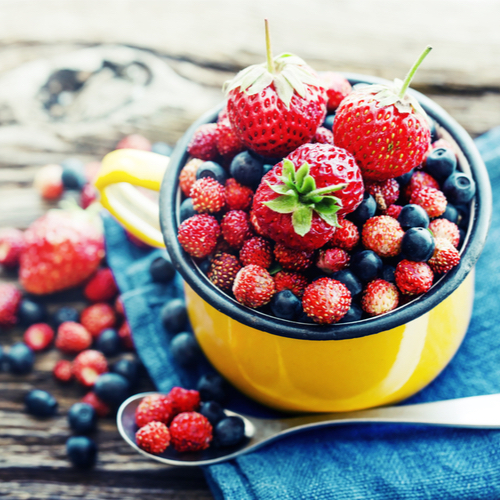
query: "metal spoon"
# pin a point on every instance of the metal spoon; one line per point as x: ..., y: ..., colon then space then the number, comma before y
x: 482, y: 412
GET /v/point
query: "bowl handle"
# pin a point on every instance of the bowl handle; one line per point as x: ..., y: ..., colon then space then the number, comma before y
x: 120, y: 174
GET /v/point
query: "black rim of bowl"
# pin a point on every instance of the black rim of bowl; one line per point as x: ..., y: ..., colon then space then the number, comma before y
x: 194, y: 277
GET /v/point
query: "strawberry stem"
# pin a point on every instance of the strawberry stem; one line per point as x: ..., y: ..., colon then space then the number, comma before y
x: 269, y: 53
x: 413, y: 70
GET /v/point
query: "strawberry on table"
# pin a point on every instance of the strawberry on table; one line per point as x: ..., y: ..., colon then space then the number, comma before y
x: 101, y: 287
x: 63, y: 371
x: 11, y: 246
x: 88, y: 365
x: 39, y: 336
x: 73, y: 337
x: 10, y: 298
x: 97, y: 318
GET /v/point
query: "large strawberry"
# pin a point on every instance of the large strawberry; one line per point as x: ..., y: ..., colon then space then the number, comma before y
x: 276, y: 106
x: 63, y: 249
x: 385, y: 128
x: 298, y: 201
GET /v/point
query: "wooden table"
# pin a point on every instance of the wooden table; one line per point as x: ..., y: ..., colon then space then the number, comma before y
x: 201, y: 44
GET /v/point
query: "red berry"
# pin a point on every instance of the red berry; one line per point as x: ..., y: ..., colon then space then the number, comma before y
x: 331, y: 260
x: 11, y: 246
x: 100, y: 407
x: 238, y: 197
x: 323, y: 136
x: 385, y: 192
x: 184, y: 399
x: 293, y: 260
x: 208, y: 195
x: 326, y: 301
x: 125, y: 334
x: 379, y: 297
x: 190, y: 431
x: 337, y: 88
x: 445, y: 257
x: 63, y: 371
x: 418, y: 180
x: 383, y: 235
x: 287, y: 280
x: 48, y: 182
x: 73, y: 337
x: 235, y: 227
x: 187, y: 176
x: 442, y: 143
x: 39, y: 336
x: 253, y: 286
x: 226, y: 139
x: 433, y: 201
x: 203, y: 145
x: 120, y: 310
x: 134, y: 141
x: 97, y: 318
x: 198, y: 235
x: 136, y: 241
x: 257, y: 250
x: 443, y: 228
x: 156, y: 407
x: 413, y: 278
x: 101, y: 287
x: 153, y: 437
x: 88, y: 365
x: 393, y: 211
x: 223, y: 270
x: 346, y: 236
x: 10, y: 297
x: 88, y: 195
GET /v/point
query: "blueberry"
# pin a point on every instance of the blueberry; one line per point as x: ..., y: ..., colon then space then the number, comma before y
x: 462, y: 236
x: 187, y: 210
x: 31, y: 312
x: 286, y: 305
x: 459, y: 188
x: 3, y: 360
x: 162, y: 270
x: 441, y: 163
x: 388, y: 273
x: 365, y: 210
x: 366, y: 265
x: 404, y: 179
x: 413, y: 216
x: 64, y: 314
x: 418, y: 244
x: 185, y: 349
x: 213, y: 411
x: 355, y: 313
x: 212, y: 387
x: 451, y: 213
x: 463, y: 216
x: 174, y: 316
x: 267, y: 168
x: 82, y: 451
x: 161, y: 148
x: 328, y: 123
x: 73, y: 174
x: 352, y: 283
x: 82, y: 418
x: 204, y: 266
x: 128, y: 368
x: 40, y: 403
x: 20, y: 359
x: 112, y: 388
x: 213, y: 170
x: 229, y: 431
x: 432, y: 128
x: 108, y: 342
x: 246, y: 169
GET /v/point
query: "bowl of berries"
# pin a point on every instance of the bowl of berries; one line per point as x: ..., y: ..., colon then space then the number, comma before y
x: 326, y: 227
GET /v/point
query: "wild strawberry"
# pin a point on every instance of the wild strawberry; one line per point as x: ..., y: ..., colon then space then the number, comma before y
x: 235, y: 227
x: 444, y: 258
x: 198, y: 235
x: 38, y: 336
x: 63, y: 371
x: 443, y: 228
x: 442, y: 143
x: 203, y: 145
x: 323, y: 136
x: 156, y: 407
x: 101, y: 287
x: 88, y: 365
x: 257, y: 250
x: 223, y: 270
x: 287, y: 280
x: 119, y: 309
x: 10, y: 298
x: 190, y: 431
x: 125, y: 334
x: 238, y: 197
x: 298, y: 201
x: 433, y: 201
x: 187, y: 176
x: 270, y: 115
x: 98, y: 317
x: 379, y: 297
x: 208, y: 195
x: 385, y: 192
x: 253, y: 286
x: 346, y: 235
x: 226, y: 139
x: 11, y: 246
x: 393, y: 211
x: 293, y: 260
x: 383, y: 235
x: 62, y: 249
x: 384, y: 128
x: 224, y: 247
x: 418, y: 180
x: 331, y: 260
x: 48, y: 182
x: 134, y: 141
x: 326, y: 301
x: 100, y: 407
x: 73, y: 337
x: 153, y: 437
x: 413, y: 278
x: 337, y: 88
x: 256, y: 224
x: 88, y: 195
x: 183, y: 399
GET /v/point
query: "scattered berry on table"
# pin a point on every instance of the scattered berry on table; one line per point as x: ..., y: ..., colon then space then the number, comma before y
x: 441, y: 163
x: 419, y: 180
x: 238, y: 197
x: 156, y: 407
x: 213, y: 411
x: 82, y: 418
x: 418, y: 244
x: 73, y: 337
x: 326, y: 300
x: 134, y: 141
x: 161, y: 148
x: 73, y: 174
x: 125, y: 334
x: 253, y: 286
x: 100, y: 407
x: 235, y: 227
x: 293, y: 259
x: 63, y: 371
x: 112, y: 388
x: 198, y: 235
x: 154, y: 437
x: 185, y: 349
x: 366, y: 265
x: 81, y: 451
x: 88, y: 365
x: 443, y: 228
x: 383, y: 235
x: 331, y: 260
x: 413, y: 216
x: 286, y: 305
x: 97, y: 318
x: 445, y: 256
x: 226, y: 139
x: 385, y: 192
x: 174, y: 315
x: 11, y: 246
x: 208, y: 195
x: 289, y: 280
x: 212, y: 387
x: 162, y: 270
x: 183, y: 400
x: 223, y: 270
x: 337, y: 88
x: 108, y: 342
x: 38, y: 336
x: 10, y: 299
x: 31, y: 312
x: 40, y: 403
x: 346, y: 236
x: 323, y: 136
x: 213, y: 170
x: 187, y: 210
x: 379, y: 297
x: 365, y: 210
x: 229, y: 431
x: 203, y: 145
x: 459, y: 188
x: 119, y: 309
x: 413, y: 278
x: 128, y: 368
x: 101, y: 287
x: 190, y: 431
x: 187, y: 176
x: 20, y: 359
x: 48, y: 182
x: 433, y: 201
x: 64, y: 314
x: 257, y: 250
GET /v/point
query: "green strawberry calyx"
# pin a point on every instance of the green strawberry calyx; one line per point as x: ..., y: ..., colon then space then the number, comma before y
x: 395, y: 93
x: 300, y: 197
x: 288, y: 72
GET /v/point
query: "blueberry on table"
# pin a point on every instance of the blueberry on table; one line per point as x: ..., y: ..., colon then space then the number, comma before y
x: 286, y: 305
x: 355, y: 313
x: 31, y: 312
x: 459, y: 188
x: 348, y: 278
x: 128, y: 368
x: 108, y: 342
x: 73, y: 174
x: 20, y: 359
x: 365, y: 210
x: 174, y: 315
x: 212, y: 387
x: 81, y: 451
x: 213, y: 170
x: 186, y: 210
x: 418, y: 244
x: 64, y: 314
x: 213, y: 411
x: 82, y: 418
x: 366, y: 265
x: 40, y: 403
x: 112, y: 388
x: 246, y: 169
x: 229, y: 431
x: 404, y: 179
x: 441, y: 163
x: 161, y: 148
x: 185, y: 349
x: 413, y: 216
x: 162, y: 270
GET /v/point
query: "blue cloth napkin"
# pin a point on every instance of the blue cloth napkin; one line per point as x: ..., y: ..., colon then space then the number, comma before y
x: 351, y: 462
